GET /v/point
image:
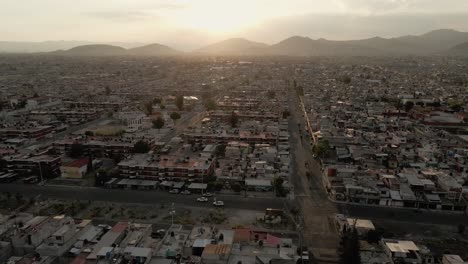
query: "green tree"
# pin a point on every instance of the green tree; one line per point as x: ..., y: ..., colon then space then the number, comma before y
x: 158, y: 123
x: 76, y: 150
x: 175, y: 116
x: 321, y: 149
x: 455, y: 105
x: 149, y: 108
x: 141, y: 147
x: 157, y: 100
x: 180, y: 102
x: 210, y: 105
x: 233, y: 119
x: 346, y: 79
x: 277, y: 184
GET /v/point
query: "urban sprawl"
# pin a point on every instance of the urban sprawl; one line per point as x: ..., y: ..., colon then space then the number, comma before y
x: 233, y: 160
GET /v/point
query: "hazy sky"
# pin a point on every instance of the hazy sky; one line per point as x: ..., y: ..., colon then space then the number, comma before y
x: 189, y: 24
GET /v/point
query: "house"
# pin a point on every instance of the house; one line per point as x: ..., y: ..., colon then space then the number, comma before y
x: 402, y: 251
x: 75, y: 169
x: 452, y: 259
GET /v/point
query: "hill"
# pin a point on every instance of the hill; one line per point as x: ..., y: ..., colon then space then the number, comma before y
x: 234, y: 46
x: 153, y: 50
x: 426, y: 44
x: 458, y: 50
x: 94, y: 50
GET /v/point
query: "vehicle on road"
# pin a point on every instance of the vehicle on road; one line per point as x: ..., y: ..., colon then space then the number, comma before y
x: 207, y: 194
x: 186, y: 192
x: 218, y: 203
x: 202, y: 199
x: 174, y: 191
x: 158, y: 234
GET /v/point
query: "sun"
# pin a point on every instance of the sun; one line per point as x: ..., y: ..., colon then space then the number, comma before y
x: 216, y: 16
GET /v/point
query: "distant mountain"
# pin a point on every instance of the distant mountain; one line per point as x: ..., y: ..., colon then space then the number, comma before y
x: 303, y: 46
x: 48, y: 46
x: 442, y: 41
x: 459, y: 50
x: 234, y: 46
x: 153, y: 50
x: 94, y: 50
x: 436, y: 41
x: 430, y: 43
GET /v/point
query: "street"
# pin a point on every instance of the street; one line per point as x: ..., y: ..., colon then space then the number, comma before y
x: 315, y: 208
x: 138, y: 196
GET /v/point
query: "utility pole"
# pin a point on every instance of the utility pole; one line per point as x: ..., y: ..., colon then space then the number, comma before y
x: 40, y: 172
x: 172, y: 212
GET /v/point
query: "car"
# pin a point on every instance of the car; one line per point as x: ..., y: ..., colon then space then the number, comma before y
x: 174, y: 191
x: 207, y: 194
x: 186, y: 192
x: 202, y: 199
x: 218, y: 203
x: 158, y: 234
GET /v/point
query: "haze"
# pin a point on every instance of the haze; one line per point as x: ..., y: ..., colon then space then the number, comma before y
x: 186, y: 24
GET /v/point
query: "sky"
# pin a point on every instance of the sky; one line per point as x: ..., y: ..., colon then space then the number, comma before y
x: 189, y: 24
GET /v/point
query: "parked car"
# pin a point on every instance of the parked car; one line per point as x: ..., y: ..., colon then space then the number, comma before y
x: 218, y: 203
x: 174, y: 191
x: 207, y: 194
x: 202, y: 199
x: 186, y: 192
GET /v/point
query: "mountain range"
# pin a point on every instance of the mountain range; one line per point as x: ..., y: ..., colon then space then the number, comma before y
x: 442, y: 42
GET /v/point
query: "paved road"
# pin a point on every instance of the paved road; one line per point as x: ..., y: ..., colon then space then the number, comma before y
x: 403, y: 215
x: 137, y: 196
x: 310, y: 196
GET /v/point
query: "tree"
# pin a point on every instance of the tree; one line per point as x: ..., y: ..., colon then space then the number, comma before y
x: 210, y: 105
x: 300, y: 91
x: 158, y: 123
x: 141, y: 147
x: 455, y: 105
x: 285, y: 114
x: 149, y: 108
x: 321, y: 149
x: 271, y: 94
x: 175, y: 116
x: 180, y: 102
x: 157, y: 100
x: 408, y: 106
x: 277, y: 184
x: 374, y: 236
x: 233, y: 119
x: 236, y: 187
x: 76, y: 150
x: 346, y: 79
x: 349, y: 247
x: 89, y: 133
